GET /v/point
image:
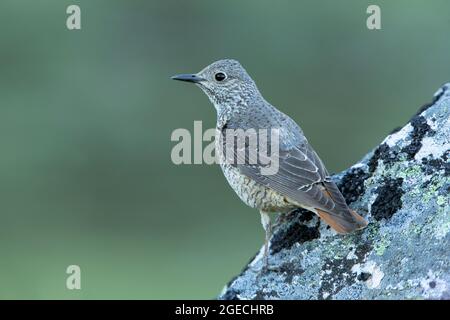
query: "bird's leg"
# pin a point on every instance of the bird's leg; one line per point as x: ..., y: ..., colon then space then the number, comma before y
x: 281, y: 219
x: 265, y: 221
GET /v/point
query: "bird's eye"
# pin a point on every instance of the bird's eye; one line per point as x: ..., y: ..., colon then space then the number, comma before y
x: 220, y: 76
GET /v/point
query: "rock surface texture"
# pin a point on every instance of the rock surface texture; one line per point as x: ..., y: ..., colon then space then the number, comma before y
x: 402, y: 188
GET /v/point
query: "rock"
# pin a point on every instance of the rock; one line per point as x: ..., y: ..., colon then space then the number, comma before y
x: 402, y: 188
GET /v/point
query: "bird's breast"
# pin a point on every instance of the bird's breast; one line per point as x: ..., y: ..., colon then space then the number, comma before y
x: 254, y: 194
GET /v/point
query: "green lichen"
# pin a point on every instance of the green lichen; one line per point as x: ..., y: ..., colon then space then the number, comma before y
x: 380, y: 246
x: 402, y: 157
x: 409, y: 172
x: 405, y: 246
x: 372, y: 230
x: 432, y: 189
x: 415, y: 228
x: 441, y: 200
x: 415, y: 192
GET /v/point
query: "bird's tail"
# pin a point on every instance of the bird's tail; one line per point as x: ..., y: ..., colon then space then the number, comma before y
x: 343, y: 225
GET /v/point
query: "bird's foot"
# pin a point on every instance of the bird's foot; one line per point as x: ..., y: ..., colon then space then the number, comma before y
x: 280, y: 220
x: 266, y: 271
x: 264, y: 268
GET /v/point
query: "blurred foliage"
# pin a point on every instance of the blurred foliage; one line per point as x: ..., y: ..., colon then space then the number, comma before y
x: 86, y: 118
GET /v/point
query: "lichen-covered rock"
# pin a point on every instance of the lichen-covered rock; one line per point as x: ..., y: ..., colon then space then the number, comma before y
x: 402, y: 188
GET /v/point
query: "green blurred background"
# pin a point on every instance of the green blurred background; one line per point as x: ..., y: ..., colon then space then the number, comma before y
x: 86, y: 118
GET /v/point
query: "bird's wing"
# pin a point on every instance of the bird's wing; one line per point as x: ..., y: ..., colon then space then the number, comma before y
x: 303, y: 178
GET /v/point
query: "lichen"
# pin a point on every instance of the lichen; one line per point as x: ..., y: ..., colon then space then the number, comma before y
x: 410, y: 172
x: 388, y: 200
x: 441, y: 200
x: 442, y: 230
x: 431, y: 192
x: 380, y: 246
x: 404, y: 197
x: 420, y: 129
x: 352, y: 184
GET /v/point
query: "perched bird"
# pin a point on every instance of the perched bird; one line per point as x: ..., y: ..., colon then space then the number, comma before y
x: 301, y: 179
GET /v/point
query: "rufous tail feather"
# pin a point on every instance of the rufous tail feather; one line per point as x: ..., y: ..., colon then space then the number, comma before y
x: 342, y: 225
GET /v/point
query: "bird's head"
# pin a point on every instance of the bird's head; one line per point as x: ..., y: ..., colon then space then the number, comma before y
x: 225, y: 82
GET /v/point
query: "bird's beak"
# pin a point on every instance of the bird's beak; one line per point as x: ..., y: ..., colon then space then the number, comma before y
x: 188, y: 77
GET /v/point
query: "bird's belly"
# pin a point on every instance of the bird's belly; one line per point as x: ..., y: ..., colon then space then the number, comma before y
x: 254, y: 194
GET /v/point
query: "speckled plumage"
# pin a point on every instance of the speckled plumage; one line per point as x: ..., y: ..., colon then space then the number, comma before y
x: 301, y: 181
x: 254, y: 194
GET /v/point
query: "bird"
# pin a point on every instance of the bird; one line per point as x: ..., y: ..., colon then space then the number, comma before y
x: 301, y: 179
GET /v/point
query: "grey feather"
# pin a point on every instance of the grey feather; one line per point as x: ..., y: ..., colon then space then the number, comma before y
x: 302, y: 178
